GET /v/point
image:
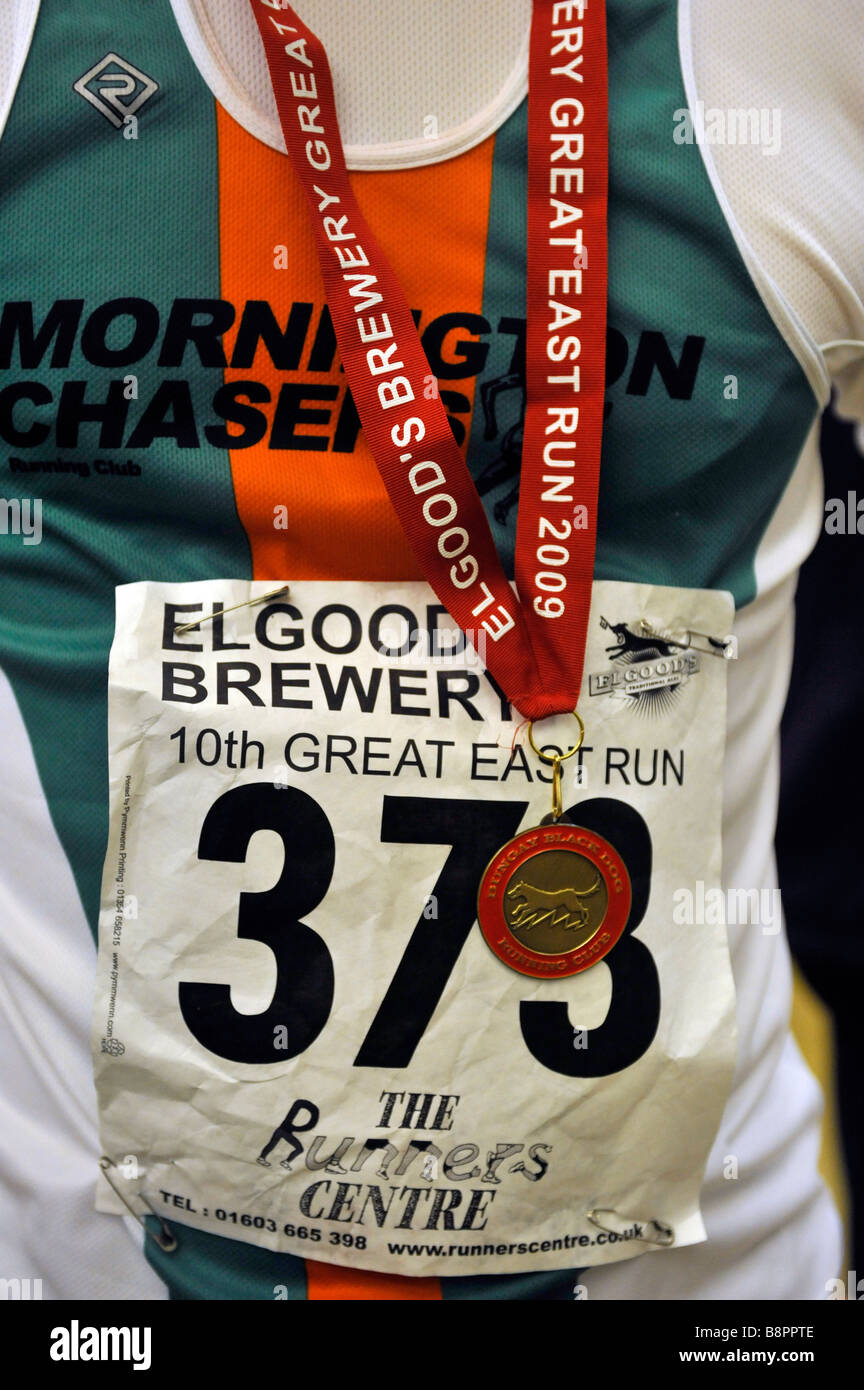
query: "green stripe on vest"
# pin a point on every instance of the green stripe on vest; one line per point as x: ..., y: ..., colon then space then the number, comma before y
x: 88, y: 214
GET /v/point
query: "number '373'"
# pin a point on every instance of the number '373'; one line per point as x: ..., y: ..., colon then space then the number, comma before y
x: 474, y: 830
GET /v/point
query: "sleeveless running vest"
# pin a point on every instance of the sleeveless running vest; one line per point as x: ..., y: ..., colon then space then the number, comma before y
x: 170, y: 382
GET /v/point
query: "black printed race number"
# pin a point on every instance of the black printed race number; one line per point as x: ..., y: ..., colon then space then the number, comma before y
x: 474, y: 830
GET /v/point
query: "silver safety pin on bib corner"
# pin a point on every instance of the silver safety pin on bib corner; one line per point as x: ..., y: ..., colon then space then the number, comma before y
x: 281, y: 592
x: 631, y: 1227
x: 165, y: 1238
x: 685, y: 638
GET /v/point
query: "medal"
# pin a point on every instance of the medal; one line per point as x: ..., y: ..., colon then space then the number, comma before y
x: 556, y: 898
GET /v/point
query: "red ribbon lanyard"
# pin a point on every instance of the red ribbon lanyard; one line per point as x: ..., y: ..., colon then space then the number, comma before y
x: 535, y: 649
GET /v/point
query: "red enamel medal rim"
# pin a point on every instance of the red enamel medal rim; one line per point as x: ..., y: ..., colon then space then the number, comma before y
x: 538, y: 966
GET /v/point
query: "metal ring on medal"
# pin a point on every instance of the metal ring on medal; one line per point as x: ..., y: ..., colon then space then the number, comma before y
x: 554, y: 900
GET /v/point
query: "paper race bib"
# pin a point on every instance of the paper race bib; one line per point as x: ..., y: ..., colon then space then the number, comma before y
x: 301, y: 1037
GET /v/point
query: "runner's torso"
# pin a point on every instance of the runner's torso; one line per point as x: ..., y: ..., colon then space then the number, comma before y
x: 170, y: 379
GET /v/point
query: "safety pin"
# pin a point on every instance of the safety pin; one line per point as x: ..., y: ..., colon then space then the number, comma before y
x: 166, y: 1239
x: 724, y: 647
x: 665, y: 1234
x: 247, y: 603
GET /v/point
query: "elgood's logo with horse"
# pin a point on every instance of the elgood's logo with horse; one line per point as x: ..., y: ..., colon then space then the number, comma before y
x: 645, y: 669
